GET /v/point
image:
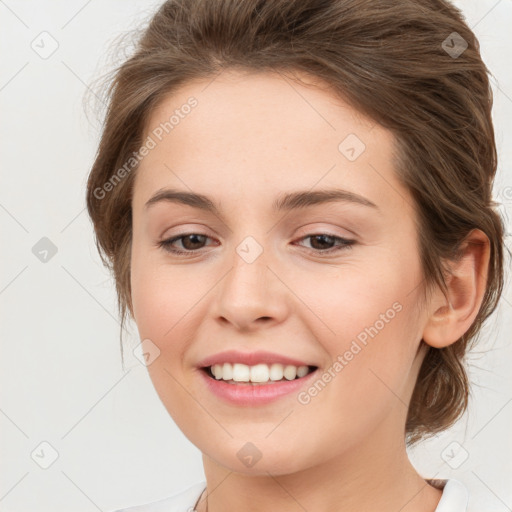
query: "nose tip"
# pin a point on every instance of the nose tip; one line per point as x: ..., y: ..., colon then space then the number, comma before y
x: 249, y: 296
x: 243, y: 323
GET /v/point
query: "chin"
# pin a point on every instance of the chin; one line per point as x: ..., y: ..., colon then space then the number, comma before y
x: 258, y: 459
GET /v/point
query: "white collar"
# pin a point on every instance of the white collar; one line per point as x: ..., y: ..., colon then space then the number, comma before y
x: 455, y: 497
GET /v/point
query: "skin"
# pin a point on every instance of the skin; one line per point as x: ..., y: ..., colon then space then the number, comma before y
x: 251, y: 138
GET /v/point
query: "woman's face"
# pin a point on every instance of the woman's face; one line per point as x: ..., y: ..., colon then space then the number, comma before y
x: 256, y: 278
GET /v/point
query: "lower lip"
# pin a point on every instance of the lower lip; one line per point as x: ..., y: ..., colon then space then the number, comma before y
x: 246, y: 394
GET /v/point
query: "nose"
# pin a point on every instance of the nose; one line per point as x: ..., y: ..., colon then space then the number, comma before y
x: 251, y: 295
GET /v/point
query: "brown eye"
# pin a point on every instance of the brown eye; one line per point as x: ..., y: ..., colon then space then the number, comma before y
x: 324, y: 243
x: 321, y: 242
x: 190, y: 242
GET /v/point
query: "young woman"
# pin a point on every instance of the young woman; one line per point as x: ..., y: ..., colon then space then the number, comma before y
x: 294, y: 198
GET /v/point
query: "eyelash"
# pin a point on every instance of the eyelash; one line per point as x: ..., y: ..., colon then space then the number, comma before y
x: 166, y: 245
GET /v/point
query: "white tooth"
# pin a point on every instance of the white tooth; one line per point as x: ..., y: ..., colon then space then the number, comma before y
x: 259, y: 373
x: 241, y: 372
x: 227, y: 371
x: 217, y: 371
x: 302, y: 371
x: 290, y: 372
x: 276, y: 371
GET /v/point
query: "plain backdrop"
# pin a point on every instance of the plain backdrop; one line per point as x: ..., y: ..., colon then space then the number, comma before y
x: 77, y: 432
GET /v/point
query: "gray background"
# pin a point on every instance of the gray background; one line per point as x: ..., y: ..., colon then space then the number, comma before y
x: 62, y: 380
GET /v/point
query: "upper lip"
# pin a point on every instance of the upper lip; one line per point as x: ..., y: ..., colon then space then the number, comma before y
x: 250, y: 358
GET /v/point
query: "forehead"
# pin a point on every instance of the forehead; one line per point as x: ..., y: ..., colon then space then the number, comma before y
x: 248, y: 133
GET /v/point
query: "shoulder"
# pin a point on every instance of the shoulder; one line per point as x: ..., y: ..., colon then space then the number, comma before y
x: 182, y: 501
x: 455, y: 496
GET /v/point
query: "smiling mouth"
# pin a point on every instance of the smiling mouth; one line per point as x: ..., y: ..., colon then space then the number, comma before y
x: 260, y: 377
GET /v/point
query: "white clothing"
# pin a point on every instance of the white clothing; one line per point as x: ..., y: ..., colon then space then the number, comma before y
x: 454, y: 499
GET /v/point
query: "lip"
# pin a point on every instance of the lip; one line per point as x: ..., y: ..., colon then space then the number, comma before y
x: 249, y: 395
x: 250, y: 359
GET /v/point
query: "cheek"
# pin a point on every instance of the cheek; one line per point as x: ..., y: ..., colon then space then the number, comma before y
x: 375, y: 328
x: 168, y: 310
x: 160, y: 308
x: 367, y: 381
x: 153, y: 308
x: 159, y: 298
x: 165, y: 315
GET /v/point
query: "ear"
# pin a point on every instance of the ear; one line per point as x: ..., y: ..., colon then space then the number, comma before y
x: 450, y: 317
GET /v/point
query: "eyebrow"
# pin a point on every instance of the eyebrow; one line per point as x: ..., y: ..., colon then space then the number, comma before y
x: 286, y: 202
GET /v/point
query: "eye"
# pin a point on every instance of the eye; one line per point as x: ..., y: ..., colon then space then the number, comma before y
x: 320, y: 240
x: 192, y: 242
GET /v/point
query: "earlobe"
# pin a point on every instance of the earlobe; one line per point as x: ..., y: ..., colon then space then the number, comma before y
x: 451, y: 316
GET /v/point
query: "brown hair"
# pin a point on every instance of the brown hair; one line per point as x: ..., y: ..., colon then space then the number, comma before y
x: 391, y: 61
